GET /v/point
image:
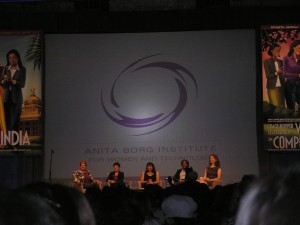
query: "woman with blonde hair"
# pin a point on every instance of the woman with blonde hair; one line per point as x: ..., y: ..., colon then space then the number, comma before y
x: 84, y: 179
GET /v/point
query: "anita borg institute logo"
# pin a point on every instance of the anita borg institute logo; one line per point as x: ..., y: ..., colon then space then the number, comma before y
x: 176, y: 74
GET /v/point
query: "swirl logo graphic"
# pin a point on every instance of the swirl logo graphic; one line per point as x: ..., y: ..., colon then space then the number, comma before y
x: 149, y: 124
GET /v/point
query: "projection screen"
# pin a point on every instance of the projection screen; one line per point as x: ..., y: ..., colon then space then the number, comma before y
x: 159, y: 97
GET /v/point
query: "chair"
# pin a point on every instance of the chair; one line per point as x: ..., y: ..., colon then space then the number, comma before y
x: 212, y: 184
x: 127, y: 184
x: 80, y: 187
x: 215, y: 183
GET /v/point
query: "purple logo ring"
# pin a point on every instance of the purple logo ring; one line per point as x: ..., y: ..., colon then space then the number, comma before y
x: 167, y: 118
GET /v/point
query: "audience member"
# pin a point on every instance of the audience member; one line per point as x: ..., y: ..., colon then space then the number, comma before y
x: 179, y: 209
x: 69, y: 203
x: 189, y: 202
x: 27, y: 209
x: 272, y: 200
x: 123, y: 206
x: 155, y: 196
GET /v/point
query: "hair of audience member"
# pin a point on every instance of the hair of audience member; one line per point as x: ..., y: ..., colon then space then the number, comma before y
x: 180, y: 210
x: 198, y: 191
x: 95, y: 197
x: 224, y: 203
x: 181, y: 221
x: 272, y: 200
x: 124, y: 206
x: 27, y: 209
x: 155, y: 194
x: 245, y: 183
x: 74, y: 207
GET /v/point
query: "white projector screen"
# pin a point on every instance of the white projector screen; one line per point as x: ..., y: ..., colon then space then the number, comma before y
x: 160, y: 97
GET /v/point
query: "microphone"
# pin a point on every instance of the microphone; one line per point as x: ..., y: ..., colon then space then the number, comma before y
x: 52, y: 151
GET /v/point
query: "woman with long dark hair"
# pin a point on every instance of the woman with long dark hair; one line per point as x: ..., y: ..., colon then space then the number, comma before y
x: 291, y: 71
x: 14, y: 80
x: 150, y: 175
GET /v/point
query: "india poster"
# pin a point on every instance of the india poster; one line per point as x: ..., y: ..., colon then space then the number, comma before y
x: 21, y: 100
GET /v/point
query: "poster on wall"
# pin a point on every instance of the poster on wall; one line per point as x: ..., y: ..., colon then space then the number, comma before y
x: 21, y: 105
x: 280, y: 49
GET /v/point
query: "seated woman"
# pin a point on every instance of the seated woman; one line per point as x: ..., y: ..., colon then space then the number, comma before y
x: 84, y: 178
x: 184, y: 174
x: 116, y: 177
x: 213, y: 172
x: 150, y: 176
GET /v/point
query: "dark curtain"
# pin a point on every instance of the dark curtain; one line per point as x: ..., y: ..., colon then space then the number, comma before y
x: 18, y: 171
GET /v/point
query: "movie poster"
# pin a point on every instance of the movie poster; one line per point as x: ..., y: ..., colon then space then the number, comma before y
x: 280, y: 47
x: 21, y: 128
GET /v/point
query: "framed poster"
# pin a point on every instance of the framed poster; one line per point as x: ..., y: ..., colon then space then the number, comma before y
x: 21, y: 106
x: 280, y: 49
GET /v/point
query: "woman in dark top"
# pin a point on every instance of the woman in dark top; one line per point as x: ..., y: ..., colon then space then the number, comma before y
x: 183, y: 174
x: 116, y: 177
x: 150, y: 175
x: 213, y: 172
x: 13, y: 82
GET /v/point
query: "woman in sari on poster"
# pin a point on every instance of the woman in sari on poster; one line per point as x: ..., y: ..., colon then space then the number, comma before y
x: 2, y: 114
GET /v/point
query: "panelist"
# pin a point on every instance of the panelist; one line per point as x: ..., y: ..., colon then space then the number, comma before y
x: 213, y: 172
x: 116, y: 177
x: 184, y: 174
x: 84, y: 177
x: 150, y: 176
